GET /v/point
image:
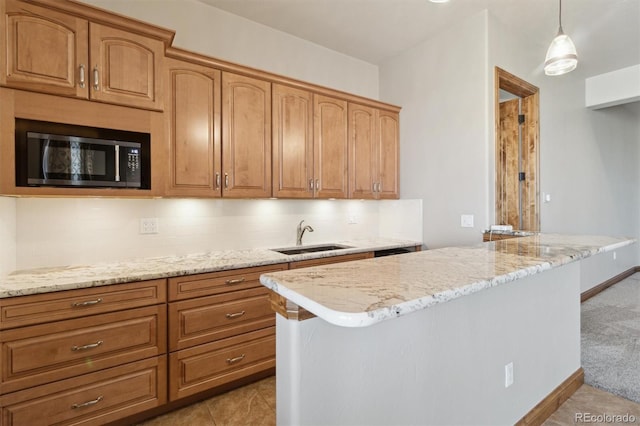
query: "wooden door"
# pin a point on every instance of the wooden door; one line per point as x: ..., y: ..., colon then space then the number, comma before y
x: 388, y: 155
x: 330, y: 147
x: 530, y: 165
x: 125, y: 67
x: 292, y: 142
x: 246, y: 136
x: 43, y: 50
x: 363, y: 149
x: 194, y: 130
x: 508, y: 207
x: 517, y: 153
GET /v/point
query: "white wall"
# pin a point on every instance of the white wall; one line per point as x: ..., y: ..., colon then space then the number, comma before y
x: 7, y: 235
x: 441, y: 86
x: 445, y: 85
x: 78, y: 231
x: 214, y: 32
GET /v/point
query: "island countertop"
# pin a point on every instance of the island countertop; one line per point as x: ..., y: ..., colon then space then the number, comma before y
x: 365, y: 292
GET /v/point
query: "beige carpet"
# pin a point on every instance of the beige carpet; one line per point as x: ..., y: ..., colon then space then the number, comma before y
x: 611, y: 339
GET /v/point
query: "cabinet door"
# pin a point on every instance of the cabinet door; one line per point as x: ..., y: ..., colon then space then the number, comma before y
x: 246, y: 137
x: 292, y: 142
x: 363, y: 151
x: 194, y: 129
x: 388, y: 155
x: 43, y: 50
x: 330, y: 147
x: 125, y: 67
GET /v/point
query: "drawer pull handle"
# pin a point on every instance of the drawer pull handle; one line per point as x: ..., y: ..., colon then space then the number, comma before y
x: 235, y: 315
x: 88, y: 403
x: 85, y: 347
x: 236, y: 359
x: 236, y: 281
x: 87, y: 303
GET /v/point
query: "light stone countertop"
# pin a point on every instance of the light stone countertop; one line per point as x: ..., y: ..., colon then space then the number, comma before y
x: 364, y: 292
x: 44, y: 280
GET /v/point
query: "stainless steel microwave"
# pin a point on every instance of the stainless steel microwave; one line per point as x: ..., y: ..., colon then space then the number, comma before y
x: 53, y: 154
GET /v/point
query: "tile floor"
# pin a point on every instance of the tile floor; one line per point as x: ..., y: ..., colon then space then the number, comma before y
x: 255, y: 404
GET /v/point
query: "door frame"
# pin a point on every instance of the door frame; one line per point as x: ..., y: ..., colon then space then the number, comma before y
x: 530, y: 137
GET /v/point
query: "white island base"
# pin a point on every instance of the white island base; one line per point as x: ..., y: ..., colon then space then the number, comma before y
x: 443, y: 365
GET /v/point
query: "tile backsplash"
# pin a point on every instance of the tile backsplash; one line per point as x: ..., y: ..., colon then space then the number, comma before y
x: 76, y: 231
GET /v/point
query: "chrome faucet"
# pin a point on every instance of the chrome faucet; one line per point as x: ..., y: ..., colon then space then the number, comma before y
x: 300, y: 232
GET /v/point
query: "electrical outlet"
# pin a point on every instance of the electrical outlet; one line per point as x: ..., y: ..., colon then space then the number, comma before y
x: 508, y: 375
x: 149, y: 225
x: 352, y: 219
x: 466, y: 221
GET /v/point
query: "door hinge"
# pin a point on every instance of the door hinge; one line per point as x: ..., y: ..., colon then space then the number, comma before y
x: 520, y: 118
x: 521, y: 176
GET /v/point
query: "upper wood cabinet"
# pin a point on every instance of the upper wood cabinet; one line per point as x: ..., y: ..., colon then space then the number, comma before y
x: 292, y: 142
x: 246, y: 136
x: 330, y: 147
x: 193, y: 117
x: 48, y: 51
x: 373, y: 153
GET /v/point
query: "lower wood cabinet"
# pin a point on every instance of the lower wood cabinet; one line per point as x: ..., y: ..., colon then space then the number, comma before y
x: 44, y: 353
x: 213, y: 364
x: 90, y: 399
x: 221, y: 329
x: 122, y: 352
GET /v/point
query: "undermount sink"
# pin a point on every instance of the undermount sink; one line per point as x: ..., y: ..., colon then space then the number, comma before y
x: 310, y: 249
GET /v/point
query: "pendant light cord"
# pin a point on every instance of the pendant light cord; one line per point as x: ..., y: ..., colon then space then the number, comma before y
x: 560, y: 17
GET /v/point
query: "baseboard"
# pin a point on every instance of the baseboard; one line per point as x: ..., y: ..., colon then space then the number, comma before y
x: 553, y: 401
x: 608, y: 283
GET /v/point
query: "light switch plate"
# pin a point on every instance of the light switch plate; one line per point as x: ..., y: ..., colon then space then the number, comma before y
x: 466, y: 221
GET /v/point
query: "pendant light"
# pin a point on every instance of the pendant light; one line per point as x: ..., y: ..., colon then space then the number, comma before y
x: 561, y: 56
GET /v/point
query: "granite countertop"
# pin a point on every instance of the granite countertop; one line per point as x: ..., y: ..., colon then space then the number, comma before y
x: 365, y: 292
x: 44, y: 280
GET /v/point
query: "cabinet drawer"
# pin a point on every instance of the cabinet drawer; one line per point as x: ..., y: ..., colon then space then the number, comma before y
x: 95, y: 398
x: 44, y: 308
x: 198, y: 285
x: 206, y: 366
x: 43, y: 353
x: 205, y: 319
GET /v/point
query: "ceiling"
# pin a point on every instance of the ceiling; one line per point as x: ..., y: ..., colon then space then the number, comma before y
x: 376, y: 30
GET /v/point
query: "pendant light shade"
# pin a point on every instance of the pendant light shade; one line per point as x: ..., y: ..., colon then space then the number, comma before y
x: 562, y: 56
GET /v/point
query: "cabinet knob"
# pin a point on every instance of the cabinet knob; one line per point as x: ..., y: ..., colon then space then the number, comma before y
x: 85, y: 347
x: 236, y: 359
x: 82, y: 78
x: 88, y: 403
x: 235, y: 315
x: 86, y: 303
x: 217, y: 180
x: 96, y: 78
x: 226, y: 180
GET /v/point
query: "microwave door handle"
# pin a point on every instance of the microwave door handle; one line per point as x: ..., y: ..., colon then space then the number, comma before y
x: 45, y: 159
x: 117, y: 177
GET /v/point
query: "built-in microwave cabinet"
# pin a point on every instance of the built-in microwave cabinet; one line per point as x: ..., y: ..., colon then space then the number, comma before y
x: 50, y: 51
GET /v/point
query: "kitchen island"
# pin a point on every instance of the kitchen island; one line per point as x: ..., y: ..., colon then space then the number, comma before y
x: 462, y: 335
